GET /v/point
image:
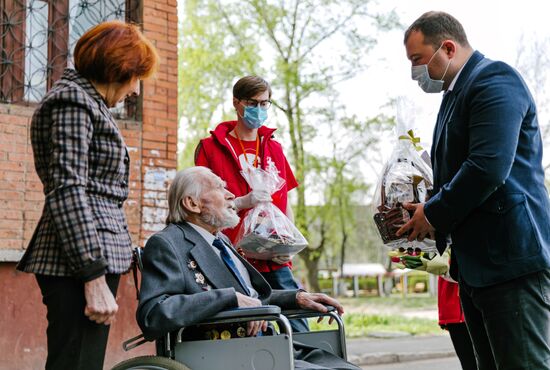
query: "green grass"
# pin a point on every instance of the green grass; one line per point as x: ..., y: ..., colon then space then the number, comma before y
x: 416, y: 301
x: 366, y: 315
x: 360, y: 325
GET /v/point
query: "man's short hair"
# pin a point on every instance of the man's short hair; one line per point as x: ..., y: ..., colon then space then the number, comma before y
x: 437, y: 27
x: 187, y: 183
x: 115, y: 51
x: 250, y: 86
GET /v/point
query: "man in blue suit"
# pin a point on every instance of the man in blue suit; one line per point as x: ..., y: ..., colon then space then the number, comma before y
x: 489, y: 194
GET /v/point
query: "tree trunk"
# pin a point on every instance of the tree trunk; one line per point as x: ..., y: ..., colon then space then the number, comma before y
x: 311, y: 259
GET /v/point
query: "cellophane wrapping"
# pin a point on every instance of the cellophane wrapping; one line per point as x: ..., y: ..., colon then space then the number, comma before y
x: 266, y: 232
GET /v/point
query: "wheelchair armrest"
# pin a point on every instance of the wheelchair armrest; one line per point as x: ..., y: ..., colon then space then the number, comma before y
x: 305, y: 313
x: 245, y: 312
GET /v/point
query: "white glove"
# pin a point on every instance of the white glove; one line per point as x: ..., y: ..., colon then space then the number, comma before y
x: 252, y: 199
x: 281, y: 259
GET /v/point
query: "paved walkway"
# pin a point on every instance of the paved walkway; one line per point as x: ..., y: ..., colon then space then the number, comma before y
x: 370, y: 351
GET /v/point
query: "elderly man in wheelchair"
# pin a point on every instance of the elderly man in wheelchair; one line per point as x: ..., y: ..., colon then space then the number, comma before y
x: 196, y: 288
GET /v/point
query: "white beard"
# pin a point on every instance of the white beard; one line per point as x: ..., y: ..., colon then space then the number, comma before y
x: 228, y: 219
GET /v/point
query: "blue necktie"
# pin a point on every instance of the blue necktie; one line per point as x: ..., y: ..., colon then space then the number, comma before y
x: 226, y: 257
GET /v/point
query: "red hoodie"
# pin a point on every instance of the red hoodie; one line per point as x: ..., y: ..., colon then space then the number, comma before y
x: 216, y: 153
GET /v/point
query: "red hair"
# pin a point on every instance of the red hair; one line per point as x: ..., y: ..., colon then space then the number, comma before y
x: 115, y: 51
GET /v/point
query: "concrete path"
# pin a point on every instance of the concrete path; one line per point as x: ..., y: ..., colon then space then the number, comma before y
x: 370, y: 351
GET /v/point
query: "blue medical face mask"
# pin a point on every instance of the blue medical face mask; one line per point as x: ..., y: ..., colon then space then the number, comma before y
x: 254, y: 117
x: 421, y: 74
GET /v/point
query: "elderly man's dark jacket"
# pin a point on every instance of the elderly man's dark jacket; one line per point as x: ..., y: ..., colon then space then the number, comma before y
x: 184, y: 282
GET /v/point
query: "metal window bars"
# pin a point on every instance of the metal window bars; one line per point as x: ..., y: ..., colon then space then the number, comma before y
x: 37, y: 38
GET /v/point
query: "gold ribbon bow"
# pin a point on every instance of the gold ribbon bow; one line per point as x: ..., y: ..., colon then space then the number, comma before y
x: 413, y: 139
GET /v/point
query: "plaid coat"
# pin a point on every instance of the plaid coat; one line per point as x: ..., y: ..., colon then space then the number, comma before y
x: 82, y: 161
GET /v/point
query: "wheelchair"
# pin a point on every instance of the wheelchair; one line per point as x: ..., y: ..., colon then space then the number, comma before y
x: 274, y: 352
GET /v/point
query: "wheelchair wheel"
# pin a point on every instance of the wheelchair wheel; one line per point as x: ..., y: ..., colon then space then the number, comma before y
x: 150, y: 363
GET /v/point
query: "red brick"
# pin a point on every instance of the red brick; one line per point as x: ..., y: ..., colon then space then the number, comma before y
x: 33, y: 215
x: 154, y: 136
x: 154, y: 145
x: 12, y: 166
x: 153, y: 153
x: 14, y: 120
x: 34, y: 195
x: 9, y: 214
x: 166, y: 163
x: 11, y: 234
x: 11, y: 195
x: 10, y: 224
x: 20, y: 157
x: 9, y: 185
x: 10, y: 243
x: 154, y: 20
x: 31, y: 205
x: 12, y: 176
x: 165, y: 7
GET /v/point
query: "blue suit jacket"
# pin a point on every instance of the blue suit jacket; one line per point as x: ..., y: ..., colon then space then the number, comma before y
x: 488, y: 176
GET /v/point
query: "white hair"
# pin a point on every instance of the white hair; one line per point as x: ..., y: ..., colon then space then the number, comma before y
x: 187, y: 183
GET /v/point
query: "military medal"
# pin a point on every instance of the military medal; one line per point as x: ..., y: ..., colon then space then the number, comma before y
x: 199, y: 277
x: 241, y: 332
x: 226, y: 334
x: 214, y: 334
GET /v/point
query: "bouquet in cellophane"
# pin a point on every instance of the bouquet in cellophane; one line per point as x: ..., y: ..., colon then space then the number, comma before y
x: 266, y: 232
x: 406, y: 178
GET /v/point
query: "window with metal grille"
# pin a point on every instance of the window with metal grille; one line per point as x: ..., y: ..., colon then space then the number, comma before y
x: 37, y: 38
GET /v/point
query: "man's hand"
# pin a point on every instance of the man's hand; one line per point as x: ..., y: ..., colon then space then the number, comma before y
x: 252, y: 199
x: 418, y: 224
x: 281, y: 259
x: 101, y: 306
x: 317, y: 302
x: 253, y: 326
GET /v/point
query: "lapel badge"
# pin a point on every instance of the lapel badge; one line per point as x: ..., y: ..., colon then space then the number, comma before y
x: 199, y: 278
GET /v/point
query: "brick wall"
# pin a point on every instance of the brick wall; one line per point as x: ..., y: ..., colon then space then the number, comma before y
x: 152, y: 145
x: 159, y: 143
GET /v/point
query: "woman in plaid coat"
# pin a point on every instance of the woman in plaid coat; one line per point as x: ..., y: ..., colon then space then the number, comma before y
x: 81, y: 244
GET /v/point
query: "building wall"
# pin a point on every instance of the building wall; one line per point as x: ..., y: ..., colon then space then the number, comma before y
x: 152, y: 146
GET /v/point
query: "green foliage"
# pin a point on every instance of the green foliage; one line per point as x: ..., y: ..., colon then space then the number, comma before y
x: 304, y: 48
x: 209, y: 63
x: 365, y: 282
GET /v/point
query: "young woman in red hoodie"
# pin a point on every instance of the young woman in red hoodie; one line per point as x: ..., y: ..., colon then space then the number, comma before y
x: 232, y: 146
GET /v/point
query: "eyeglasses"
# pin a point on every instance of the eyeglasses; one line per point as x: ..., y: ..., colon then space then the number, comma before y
x: 264, y: 104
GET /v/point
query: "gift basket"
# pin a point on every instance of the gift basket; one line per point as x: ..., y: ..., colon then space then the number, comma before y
x: 266, y: 232
x: 406, y: 178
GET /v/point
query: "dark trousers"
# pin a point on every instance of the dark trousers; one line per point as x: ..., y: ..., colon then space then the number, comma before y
x: 74, y: 342
x: 509, y: 323
x: 283, y: 279
x: 462, y: 345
